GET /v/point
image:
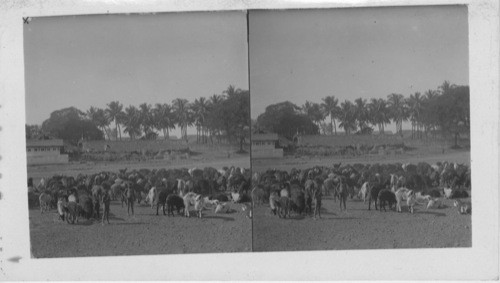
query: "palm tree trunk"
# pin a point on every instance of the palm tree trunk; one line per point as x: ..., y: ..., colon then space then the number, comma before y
x: 331, y: 125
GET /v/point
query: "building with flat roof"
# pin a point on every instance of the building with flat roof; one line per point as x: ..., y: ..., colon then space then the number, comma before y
x: 265, y: 145
x: 45, y: 152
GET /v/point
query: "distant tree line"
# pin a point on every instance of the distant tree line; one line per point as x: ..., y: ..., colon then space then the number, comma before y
x: 221, y: 117
x: 445, y: 111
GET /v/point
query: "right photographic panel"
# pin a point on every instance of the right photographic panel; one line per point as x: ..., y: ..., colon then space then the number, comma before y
x: 360, y: 128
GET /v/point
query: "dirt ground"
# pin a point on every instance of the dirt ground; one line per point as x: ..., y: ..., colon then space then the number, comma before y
x: 359, y: 228
x: 145, y: 233
x: 142, y: 234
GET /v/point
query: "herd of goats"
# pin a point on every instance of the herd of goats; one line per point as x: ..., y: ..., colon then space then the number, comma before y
x: 296, y: 191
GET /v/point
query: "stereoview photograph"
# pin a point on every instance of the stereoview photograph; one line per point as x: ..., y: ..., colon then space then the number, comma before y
x: 360, y: 128
x: 137, y: 134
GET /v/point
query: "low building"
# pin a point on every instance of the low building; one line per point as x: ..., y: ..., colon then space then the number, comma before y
x: 45, y: 152
x: 265, y: 145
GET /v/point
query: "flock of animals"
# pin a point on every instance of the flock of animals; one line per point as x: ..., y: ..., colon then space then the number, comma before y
x: 384, y: 185
x: 299, y: 191
x: 174, y: 190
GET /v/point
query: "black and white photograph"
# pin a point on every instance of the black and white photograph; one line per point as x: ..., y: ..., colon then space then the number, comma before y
x: 249, y: 140
x: 360, y: 128
x: 133, y: 118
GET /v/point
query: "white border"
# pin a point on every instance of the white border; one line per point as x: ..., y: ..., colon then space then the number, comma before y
x: 476, y: 263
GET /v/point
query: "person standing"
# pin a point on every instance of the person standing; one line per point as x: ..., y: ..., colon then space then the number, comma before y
x: 105, y: 199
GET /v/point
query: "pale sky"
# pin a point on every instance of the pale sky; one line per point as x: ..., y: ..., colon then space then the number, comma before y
x: 85, y: 61
x: 300, y: 55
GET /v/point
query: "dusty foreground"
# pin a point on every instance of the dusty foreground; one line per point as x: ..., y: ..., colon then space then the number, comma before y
x: 359, y: 228
x: 142, y: 234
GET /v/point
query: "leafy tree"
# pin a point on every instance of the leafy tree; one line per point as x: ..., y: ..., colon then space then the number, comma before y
x: 33, y: 132
x: 453, y: 111
x: 286, y: 120
x: 236, y: 115
x: 70, y: 125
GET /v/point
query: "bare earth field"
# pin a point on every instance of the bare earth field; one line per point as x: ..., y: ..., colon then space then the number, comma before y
x: 142, y: 234
x: 359, y: 228
x: 145, y: 233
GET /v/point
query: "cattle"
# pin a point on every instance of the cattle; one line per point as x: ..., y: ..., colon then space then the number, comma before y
x: 86, y: 207
x: 284, y: 207
x: 411, y: 200
x: 193, y: 200
x: 463, y: 207
x: 45, y: 200
x: 72, y: 212
x: 161, y: 198
x: 274, y: 202
x: 220, y: 198
x: 174, y: 201
x: 258, y: 196
x: 151, y: 196
x: 61, y: 208
x: 221, y: 208
x: 401, y: 194
x: 297, y: 203
x: 386, y: 197
x: 373, y: 192
x: 434, y: 203
x: 363, y: 192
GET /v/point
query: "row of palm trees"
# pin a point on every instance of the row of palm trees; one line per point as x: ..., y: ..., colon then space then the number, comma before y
x: 146, y: 120
x: 378, y: 112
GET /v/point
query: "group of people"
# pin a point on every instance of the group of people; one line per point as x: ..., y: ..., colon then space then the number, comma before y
x: 68, y: 206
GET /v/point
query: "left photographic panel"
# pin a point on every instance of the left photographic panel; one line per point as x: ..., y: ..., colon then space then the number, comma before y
x: 137, y: 134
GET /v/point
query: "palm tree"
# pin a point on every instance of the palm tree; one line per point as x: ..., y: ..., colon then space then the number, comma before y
x: 132, y: 122
x: 213, y: 120
x: 182, y: 115
x: 362, y: 114
x: 428, y: 112
x: 414, y: 103
x: 231, y: 90
x: 379, y: 113
x: 114, y: 112
x: 99, y: 118
x: 330, y: 108
x: 445, y: 87
x: 164, y: 120
x: 397, y: 109
x: 347, y: 117
x: 200, y: 111
x: 147, y: 119
x: 313, y: 111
